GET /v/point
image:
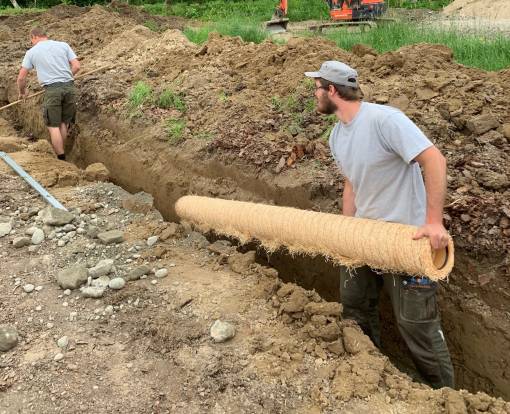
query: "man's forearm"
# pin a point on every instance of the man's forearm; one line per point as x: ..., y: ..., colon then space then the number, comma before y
x: 434, y: 171
x: 348, y: 205
x: 22, y: 85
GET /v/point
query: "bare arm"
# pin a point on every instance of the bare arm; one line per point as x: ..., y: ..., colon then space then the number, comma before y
x: 22, y: 82
x: 75, y: 66
x: 348, y: 205
x: 434, y: 171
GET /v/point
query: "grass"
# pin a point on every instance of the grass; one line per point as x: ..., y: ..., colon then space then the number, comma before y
x: 169, y: 99
x: 419, y: 4
x: 140, y: 94
x: 11, y: 11
x: 175, y: 130
x: 252, y: 10
x: 248, y: 31
x: 489, y: 52
x: 151, y: 25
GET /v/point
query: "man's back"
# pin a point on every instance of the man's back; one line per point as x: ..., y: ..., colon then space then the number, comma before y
x: 51, y: 61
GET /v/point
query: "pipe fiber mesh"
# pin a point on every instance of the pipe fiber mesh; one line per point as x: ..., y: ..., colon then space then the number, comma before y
x: 346, y: 240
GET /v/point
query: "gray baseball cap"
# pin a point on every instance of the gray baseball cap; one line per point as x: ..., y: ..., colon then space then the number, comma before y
x: 336, y: 72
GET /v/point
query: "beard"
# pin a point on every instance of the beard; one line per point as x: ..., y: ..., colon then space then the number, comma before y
x: 326, y: 106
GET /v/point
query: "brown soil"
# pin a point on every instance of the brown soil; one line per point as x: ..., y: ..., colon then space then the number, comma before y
x: 496, y: 10
x: 251, y: 133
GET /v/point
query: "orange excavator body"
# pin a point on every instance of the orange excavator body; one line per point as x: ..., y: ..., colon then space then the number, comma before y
x: 344, y: 10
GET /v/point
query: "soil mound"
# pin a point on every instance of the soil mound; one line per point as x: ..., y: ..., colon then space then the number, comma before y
x: 494, y: 10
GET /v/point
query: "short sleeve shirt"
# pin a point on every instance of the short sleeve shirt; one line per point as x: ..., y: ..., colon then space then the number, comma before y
x: 51, y: 61
x: 375, y: 152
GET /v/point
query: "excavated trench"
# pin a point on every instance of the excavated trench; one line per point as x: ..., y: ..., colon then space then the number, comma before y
x: 477, y: 332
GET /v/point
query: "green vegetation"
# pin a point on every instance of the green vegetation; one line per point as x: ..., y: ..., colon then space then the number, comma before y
x: 248, y: 31
x: 419, y: 4
x: 175, y: 130
x: 205, y: 136
x: 253, y: 10
x: 140, y: 94
x: 151, y: 25
x: 11, y: 11
x: 169, y: 99
x: 480, y: 51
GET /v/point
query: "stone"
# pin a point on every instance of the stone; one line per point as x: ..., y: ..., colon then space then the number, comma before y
x: 138, y: 203
x: 92, y: 232
x: 111, y: 237
x: 63, y: 342
x: 221, y: 247
x: 241, y: 263
x: 296, y: 302
x: 37, y: 237
x: 101, y: 281
x: 103, y: 267
x: 117, y: 283
x: 72, y: 277
x: 197, y: 240
x: 28, y: 288
x: 8, y: 338
x: 97, y: 172
x: 323, y: 308
x: 136, y: 273
x: 356, y: 341
x: 151, y: 241
x: 161, y: 273
x: 171, y: 230
x: 5, y: 229
x: 109, y: 310
x: 480, y: 124
x: 55, y: 216
x: 506, y: 131
x: 69, y: 227
x: 92, y: 291
x: 58, y: 357
x: 222, y: 331
x: 22, y: 241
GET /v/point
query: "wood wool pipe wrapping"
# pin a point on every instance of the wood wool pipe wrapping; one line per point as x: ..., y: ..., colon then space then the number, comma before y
x: 347, y: 240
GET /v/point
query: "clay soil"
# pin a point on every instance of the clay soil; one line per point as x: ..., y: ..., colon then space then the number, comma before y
x: 250, y: 132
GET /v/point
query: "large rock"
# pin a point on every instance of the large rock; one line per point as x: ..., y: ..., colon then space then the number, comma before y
x: 103, y: 267
x: 72, y: 277
x: 296, y: 302
x: 37, y: 236
x: 222, y: 331
x: 94, y: 292
x: 480, y: 124
x: 97, y: 172
x: 138, y: 203
x: 241, y: 263
x: 137, y: 273
x: 8, y: 338
x: 21, y: 242
x: 111, y: 237
x: 55, y: 216
x: 5, y: 229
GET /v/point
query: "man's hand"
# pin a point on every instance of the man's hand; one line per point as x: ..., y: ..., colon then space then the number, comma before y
x: 436, y: 233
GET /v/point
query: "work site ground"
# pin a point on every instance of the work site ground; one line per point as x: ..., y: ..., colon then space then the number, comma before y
x: 110, y: 307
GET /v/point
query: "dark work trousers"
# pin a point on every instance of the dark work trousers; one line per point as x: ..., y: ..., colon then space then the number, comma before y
x: 416, y: 312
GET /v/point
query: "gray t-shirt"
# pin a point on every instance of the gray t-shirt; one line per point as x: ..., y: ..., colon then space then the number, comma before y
x: 51, y: 61
x: 375, y: 152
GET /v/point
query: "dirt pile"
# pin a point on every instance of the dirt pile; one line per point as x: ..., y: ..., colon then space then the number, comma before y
x: 494, y: 10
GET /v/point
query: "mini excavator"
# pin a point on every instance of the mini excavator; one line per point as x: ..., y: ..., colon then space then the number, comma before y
x: 341, y: 12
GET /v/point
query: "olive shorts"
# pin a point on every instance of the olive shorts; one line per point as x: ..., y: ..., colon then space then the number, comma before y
x: 59, y: 104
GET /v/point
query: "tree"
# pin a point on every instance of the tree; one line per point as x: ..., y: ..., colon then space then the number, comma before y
x: 15, y: 4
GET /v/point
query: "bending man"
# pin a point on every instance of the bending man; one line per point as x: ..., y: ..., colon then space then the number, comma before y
x: 379, y: 151
x: 55, y: 64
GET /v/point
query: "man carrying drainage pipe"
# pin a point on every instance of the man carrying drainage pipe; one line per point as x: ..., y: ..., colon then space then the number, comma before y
x: 379, y: 151
x: 55, y: 64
